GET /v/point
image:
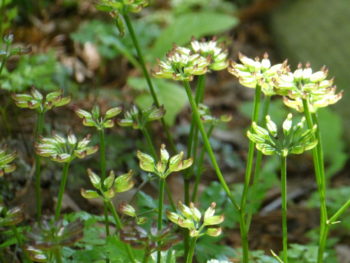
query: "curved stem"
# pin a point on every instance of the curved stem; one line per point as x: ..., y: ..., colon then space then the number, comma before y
x: 284, y: 207
x: 61, y: 191
x: 160, y: 212
x: 191, y: 251
x: 38, y: 131
x: 147, y: 76
x: 258, y: 161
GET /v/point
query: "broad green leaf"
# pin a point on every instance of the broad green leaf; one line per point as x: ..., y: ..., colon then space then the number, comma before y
x: 192, y: 24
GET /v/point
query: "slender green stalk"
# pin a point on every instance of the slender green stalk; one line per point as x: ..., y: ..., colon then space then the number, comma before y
x: 119, y: 226
x: 191, y: 251
x: 61, y: 191
x: 160, y: 212
x: 258, y: 160
x: 317, y: 153
x: 147, y: 76
x: 199, y: 170
x: 58, y: 256
x: 38, y: 132
x: 284, y: 207
x: 4, y: 60
x: 207, y: 144
x: 340, y: 211
x: 146, y: 256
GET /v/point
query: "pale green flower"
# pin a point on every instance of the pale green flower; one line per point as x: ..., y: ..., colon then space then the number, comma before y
x: 138, y: 118
x: 6, y: 165
x: 60, y: 149
x: 303, y: 83
x: 252, y: 73
x: 181, y: 64
x: 122, y: 6
x: 211, y: 50
x: 291, y: 139
x: 197, y: 223
x: 206, y: 116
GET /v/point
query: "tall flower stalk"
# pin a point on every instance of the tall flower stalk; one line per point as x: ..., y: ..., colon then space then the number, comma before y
x: 41, y: 104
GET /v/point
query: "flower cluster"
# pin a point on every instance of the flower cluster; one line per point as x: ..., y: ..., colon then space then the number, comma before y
x: 182, y: 64
x: 110, y: 187
x: 303, y: 84
x: 36, y: 100
x: 130, y: 211
x: 252, y: 73
x: 166, y: 165
x: 63, y: 150
x: 121, y: 6
x: 210, y: 49
x: 96, y: 119
x: 191, y: 218
x: 206, y: 116
x: 10, y: 217
x: 6, y: 165
x: 293, y: 139
x: 138, y: 118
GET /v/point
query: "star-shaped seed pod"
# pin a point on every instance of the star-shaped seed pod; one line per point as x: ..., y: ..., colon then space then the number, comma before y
x: 166, y: 165
x: 252, y: 73
x: 305, y: 84
x: 111, y: 185
x: 98, y: 120
x: 191, y: 218
x: 64, y: 150
x: 128, y: 210
x: 35, y: 100
x: 206, y: 116
x: 182, y: 64
x: 211, y: 50
x: 291, y: 139
x: 6, y: 165
x: 10, y: 217
x: 138, y: 118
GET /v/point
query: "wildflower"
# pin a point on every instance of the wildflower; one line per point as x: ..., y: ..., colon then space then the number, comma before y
x: 252, y: 73
x: 138, y: 118
x: 10, y: 217
x: 110, y: 187
x: 39, y: 102
x: 130, y: 211
x: 63, y: 150
x: 166, y: 165
x: 206, y: 116
x: 96, y: 119
x: 303, y: 84
x: 6, y: 165
x: 181, y: 64
x: 121, y: 6
x: 191, y: 218
x: 293, y: 139
x: 211, y: 50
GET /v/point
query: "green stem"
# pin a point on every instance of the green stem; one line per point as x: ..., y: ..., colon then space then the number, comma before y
x: 207, y: 144
x: 340, y: 211
x: 191, y: 251
x: 259, y: 155
x: 58, y: 255
x: 199, y: 170
x: 38, y: 132
x: 147, y: 76
x: 146, y: 256
x: 317, y: 153
x: 119, y: 226
x: 3, y: 62
x: 61, y: 190
x: 284, y: 207
x: 160, y: 212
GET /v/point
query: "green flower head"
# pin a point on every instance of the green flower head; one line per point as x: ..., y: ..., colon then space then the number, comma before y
x: 304, y: 84
x: 166, y: 165
x: 37, y: 101
x: 191, y: 218
x: 291, y: 139
x: 63, y: 150
x: 211, y: 50
x: 10, y: 217
x: 137, y: 118
x: 252, y: 73
x: 6, y: 165
x: 122, y: 6
x: 182, y: 64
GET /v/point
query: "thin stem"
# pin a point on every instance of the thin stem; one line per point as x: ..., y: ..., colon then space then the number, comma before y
x: 340, y: 211
x: 58, y: 256
x: 207, y: 144
x: 3, y: 62
x: 119, y: 226
x: 160, y: 212
x: 38, y: 132
x: 146, y: 256
x: 147, y: 76
x: 61, y: 191
x: 191, y: 251
x: 199, y: 170
x: 284, y: 207
x: 258, y: 160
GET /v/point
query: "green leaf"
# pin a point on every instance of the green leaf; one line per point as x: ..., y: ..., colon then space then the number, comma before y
x: 171, y: 95
x: 192, y: 24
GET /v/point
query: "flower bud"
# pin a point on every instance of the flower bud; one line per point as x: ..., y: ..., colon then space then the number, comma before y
x: 124, y: 182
